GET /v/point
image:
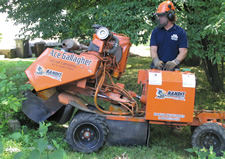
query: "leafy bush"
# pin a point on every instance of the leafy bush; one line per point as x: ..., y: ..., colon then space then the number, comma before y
x: 203, y: 153
x: 36, y: 148
x: 12, y: 84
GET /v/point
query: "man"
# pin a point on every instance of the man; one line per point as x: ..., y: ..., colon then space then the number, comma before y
x: 168, y: 44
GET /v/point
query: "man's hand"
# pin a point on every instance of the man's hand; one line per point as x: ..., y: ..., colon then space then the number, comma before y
x: 158, y: 63
x: 171, y: 64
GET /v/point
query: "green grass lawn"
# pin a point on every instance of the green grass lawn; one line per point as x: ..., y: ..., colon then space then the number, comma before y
x: 164, y: 141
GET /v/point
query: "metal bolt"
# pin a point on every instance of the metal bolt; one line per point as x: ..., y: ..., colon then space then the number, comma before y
x: 86, y: 134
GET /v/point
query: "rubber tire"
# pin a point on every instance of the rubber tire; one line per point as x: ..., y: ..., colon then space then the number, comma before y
x: 94, y: 124
x: 209, y: 132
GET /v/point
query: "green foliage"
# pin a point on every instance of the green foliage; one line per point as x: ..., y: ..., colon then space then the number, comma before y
x: 16, y: 135
x: 41, y: 146
x: 1, y: 147
x: 204, y: 21
x: 12, y: 85
x: 203, y: 153
x: 74, y: 19
x: 35, y: 154
x: 36, y: 148
x: 11, y: 90
x: 43, y: 128
x: 205, y: 31
x: 18, y: 155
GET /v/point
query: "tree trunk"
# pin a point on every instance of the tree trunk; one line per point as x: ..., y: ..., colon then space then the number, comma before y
x: 212, y: 73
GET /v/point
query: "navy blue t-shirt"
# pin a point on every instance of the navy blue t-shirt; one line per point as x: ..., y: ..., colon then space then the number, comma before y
x: 169, y: 42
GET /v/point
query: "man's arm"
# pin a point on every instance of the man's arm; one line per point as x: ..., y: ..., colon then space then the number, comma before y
x: 153, y: 51
x: 157, y: 62
x: 182, y: 54
x: 180, y: 57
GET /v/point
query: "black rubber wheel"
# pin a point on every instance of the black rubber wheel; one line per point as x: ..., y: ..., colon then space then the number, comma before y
x: 87, y: 132
x: 209, y: 134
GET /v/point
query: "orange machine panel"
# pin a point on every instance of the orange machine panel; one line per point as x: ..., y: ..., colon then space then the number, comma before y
x: 54, y: 68
x: 170, y: 96
x: 125, y: 45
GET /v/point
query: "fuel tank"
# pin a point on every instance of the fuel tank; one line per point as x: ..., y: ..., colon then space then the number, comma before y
x: 55, y: 67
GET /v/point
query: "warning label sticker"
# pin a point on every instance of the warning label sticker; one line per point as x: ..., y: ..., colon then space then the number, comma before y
x: 188, y: 80
x: 155, y: 78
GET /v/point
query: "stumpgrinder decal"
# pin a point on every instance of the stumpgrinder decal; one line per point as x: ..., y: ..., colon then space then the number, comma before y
x: 70, y: 57
x: 41, y: 71
x: 176, y: 95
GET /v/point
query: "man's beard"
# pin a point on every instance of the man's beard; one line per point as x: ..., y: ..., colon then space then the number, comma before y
x: 161, y: 25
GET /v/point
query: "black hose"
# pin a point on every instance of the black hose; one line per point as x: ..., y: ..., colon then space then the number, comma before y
x: 115, y: 46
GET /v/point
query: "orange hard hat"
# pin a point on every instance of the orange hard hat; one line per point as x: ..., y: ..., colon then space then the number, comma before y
x: 165, y: 7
